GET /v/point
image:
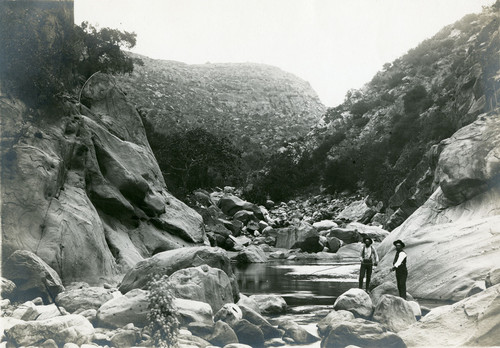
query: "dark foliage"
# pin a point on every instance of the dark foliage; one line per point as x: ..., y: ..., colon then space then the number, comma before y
x: 287, y: 174
x: 38, y: 63
x: 195, y: 159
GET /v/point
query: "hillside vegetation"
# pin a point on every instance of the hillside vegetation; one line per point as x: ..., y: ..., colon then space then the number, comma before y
x: 255, y: 105
x: 381, y: 138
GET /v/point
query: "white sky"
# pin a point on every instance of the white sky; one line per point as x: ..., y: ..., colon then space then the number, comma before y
x: 334, y: 44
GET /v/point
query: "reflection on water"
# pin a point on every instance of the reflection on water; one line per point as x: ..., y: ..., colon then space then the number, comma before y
x: 300, y: 284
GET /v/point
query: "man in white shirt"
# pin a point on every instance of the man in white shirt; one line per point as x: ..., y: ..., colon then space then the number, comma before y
x: 399, y: 265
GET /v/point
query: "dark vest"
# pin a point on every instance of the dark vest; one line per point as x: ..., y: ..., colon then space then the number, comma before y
x: 403, y: 264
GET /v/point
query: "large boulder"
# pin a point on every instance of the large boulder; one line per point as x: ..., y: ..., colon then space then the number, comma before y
x: 357, y: 211
x: 171, y: 261
x: 377, y: 234
x: 32, y: 276
x: 255, y: 318
x: 129, y: 308
x: 474, y: 321
x: 190, y: 311
x: 347, y: 235
x: 248, y: 302
x: 229, y: 313
x: 356, y: 301
x: 222, y: 335
x: 303, y: 236
x: 387, y: 288
x: 333, y: 244
x: 394, y: 313
x: 296, y: 332
x: 249, y: 333
x: 87, y: 187
x: 30, y: 311
x: 270, y: 304
x: 361, y: 333
x: 231, y: 204
x: 350, y: 251
x: 324, y: 225
x: 454, y: 238
x: 251, y: 254
x: 85, y: 298
x: 246, y: 217
x: 333, y: 318
x: 203, y: 283
x: 64, y: 329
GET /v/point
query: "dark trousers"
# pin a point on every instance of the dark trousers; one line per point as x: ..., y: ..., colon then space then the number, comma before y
x: 366, y: 267
x: 401, y: 275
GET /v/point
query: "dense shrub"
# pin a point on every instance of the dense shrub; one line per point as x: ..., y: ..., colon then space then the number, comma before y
x: 416, y: 100
x: 101, y: 50
x: 194, y: 159
x: 162, y: 316
x: 344, y: 172
x: 360, y: 108
x: 287, y: 173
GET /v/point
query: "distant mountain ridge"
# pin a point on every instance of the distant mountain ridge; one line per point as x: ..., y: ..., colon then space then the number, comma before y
x: 250, y: 103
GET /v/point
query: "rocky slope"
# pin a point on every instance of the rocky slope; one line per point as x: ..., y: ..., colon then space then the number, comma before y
x: 380, y: 137
x: 82, y: 189
x: 250, y: 103
x: 453, y: 240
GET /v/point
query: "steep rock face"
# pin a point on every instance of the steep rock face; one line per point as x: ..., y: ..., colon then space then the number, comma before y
x: 263, y: 103
x: 453, y: 240
x: 84, y: 192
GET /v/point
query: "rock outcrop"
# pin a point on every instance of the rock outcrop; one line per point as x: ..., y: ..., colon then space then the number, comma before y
x: 82, y: 184
x: 470, y: 322
x: 453, y: 240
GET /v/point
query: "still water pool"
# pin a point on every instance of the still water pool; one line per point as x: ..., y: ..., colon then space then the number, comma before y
x: 309, y: 288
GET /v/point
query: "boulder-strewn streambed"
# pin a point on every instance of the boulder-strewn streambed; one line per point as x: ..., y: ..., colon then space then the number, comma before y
x: 295, y: 246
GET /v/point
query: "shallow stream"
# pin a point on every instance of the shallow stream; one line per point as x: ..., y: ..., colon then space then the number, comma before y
x: 309, y: 288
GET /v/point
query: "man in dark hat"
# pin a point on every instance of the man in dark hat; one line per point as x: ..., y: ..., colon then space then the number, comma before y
x: 368, y: 258
x: 399, y: 265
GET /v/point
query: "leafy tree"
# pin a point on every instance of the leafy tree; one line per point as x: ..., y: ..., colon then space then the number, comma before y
x: 38, y: 64
x: 195, y: 159
x: 101, y: 50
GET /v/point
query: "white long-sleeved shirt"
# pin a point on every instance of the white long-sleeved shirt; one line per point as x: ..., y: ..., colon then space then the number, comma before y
x: 368, y: 254
x: 400, y: 259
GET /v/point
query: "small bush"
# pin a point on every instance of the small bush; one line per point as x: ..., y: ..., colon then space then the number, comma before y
x: 162, y: 316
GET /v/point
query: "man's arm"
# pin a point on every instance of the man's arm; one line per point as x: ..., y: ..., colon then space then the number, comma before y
x: 402, y: 256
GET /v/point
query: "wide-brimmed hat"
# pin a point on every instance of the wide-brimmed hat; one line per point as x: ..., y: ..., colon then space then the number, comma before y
x: 369, y: 239
x: 399, y: 241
